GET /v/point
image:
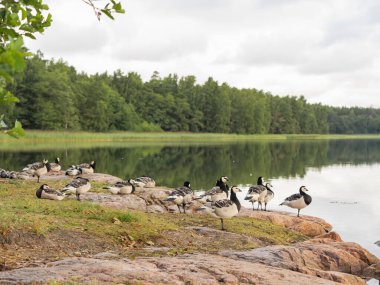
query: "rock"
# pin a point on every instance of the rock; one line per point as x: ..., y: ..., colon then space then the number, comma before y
x: 155, y: 209
x: 185, y: 269
x: 307, y: 225
x: 98, y: 177
x: 322, y: 257
x: 115, y: 201
x: 372, y: 271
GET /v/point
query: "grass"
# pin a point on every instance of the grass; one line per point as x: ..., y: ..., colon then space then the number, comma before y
x: 43, y: 140
x: 20, y: 210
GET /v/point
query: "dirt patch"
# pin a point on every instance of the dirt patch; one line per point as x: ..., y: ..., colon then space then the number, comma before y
x: 25, y: 249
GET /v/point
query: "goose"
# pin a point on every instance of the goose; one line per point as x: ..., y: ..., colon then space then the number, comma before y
x: 38, y: 169
x: 214, y: 194
x: 86, y: 168
x: 121, y: 187
x: 257, y: 193
x: 298, y: 200
x: 226, y: 208
x: 55, y: 166
x: 181, y: 196
x: 147, y: 181
x: 222, y: 183
x: 45, y: 192
x: 269, y: 196
x: 73, y: 170
x: 77, y: 186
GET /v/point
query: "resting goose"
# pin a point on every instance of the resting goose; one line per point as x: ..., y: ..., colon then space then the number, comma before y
x: 37, y: 169
x: 73, y: 171
x: 298, y: 200
x: 78, y: 186
x: 121, y: 187
x: 226, y: 208
x: 55, y: 166
x: 86, y: 168
x: 148, y: 182
x: 181, y: 196
x: 257, y: 193
x: 218, y: 192
x: 45, y: 192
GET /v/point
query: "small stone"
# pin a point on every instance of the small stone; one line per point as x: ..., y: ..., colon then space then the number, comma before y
x: 149, y: 242
x: 116, y: 221
x: 77, y: 253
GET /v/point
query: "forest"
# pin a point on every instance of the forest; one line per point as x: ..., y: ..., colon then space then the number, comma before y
x: 54, y: 96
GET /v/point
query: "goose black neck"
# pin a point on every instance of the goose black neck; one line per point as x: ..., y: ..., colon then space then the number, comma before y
x: 306, y: 197
x: 234, y: 199
x: 39, y: 192
x: 260, y: 181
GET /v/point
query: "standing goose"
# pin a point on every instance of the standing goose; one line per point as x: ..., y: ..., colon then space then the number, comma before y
x: 86, y: 168
x: 269, y: 196
x: 181, y: 196
x: 148, y: 182
x: 55, y: 166
x: 257, y: 193
x: 218, y: 192
x: 78, y: 186
x: 222, y: 183
x: 38, y: 169
x: 298, y: 201
x: 121, y: 187
x: 45, y: 192
x: 226, y: 208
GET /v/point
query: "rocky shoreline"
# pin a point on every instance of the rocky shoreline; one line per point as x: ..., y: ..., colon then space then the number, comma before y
x: 322, y: 259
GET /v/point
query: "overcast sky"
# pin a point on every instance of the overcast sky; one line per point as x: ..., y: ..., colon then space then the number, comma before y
x: 326, y: 50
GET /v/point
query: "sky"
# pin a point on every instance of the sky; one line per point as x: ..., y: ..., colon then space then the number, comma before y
x: 326, y: 50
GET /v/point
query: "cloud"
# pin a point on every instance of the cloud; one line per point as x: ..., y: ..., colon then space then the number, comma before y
x: 327, y: 51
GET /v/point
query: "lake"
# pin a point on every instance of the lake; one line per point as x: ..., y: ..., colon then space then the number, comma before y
x: 342, y: 175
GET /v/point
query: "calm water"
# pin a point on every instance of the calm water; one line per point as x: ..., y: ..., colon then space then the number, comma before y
x: 343, y: 176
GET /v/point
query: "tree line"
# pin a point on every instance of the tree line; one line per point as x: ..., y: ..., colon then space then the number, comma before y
x: 54, y: 96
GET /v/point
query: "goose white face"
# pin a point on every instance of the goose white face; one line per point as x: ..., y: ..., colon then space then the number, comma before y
x: 224, y: 179
x: 235, y: 189
x: 303, y: 188
x: 269, y: 185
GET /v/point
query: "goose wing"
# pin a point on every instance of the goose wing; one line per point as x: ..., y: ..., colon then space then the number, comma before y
x: 50, y: 190
x: 213, y: 191
x: 256, y: 189
x: 222, y: 203
x: 182, y: 191
x: 293, y: 197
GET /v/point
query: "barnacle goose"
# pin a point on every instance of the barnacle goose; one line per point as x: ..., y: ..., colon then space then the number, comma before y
x: 218, y: 192
x: 73, y: 170
x: 86, y: 168
x: 298, y: 200
x: 226, y: 208
x: 181, y: 196
x: 55, y: 166
x: 46, y: 192
x: 146, y: 181
x: 37, y: 169
x: 77, y: 186
x: 269, y: 196
x: 121, y: 187
x: 257, y: 193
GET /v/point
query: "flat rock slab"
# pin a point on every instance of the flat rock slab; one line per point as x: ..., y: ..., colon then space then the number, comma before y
x: 185, y: 269
x: 307, y: 225
x: 60, y: 175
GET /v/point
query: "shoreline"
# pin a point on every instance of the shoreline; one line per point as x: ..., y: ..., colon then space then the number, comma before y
x: 317, y: 256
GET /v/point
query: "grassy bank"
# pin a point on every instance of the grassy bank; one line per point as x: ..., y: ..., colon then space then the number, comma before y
x: 34, y: 136
x: 35, y: 229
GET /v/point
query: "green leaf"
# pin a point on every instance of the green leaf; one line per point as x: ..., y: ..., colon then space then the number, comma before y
x: 107, y: 13
x: 17, y: 131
